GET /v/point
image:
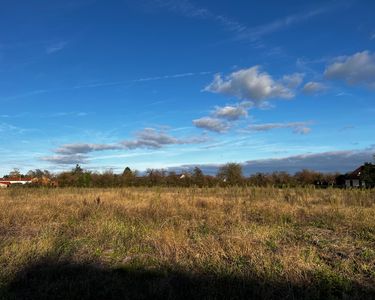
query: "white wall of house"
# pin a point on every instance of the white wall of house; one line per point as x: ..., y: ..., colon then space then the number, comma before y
x: 19, y: 181
x: 354, y: 183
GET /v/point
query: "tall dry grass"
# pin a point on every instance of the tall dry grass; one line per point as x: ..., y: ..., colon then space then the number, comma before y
x: 289, y: 243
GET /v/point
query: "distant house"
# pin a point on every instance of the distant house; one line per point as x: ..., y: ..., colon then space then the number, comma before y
x: 353, y: 179
x: 6, y: 182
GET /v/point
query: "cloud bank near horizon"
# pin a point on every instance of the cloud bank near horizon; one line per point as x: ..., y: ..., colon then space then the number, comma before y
x: 333, y: 161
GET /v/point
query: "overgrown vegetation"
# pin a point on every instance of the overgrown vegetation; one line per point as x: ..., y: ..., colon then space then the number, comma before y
x: 160, y: 243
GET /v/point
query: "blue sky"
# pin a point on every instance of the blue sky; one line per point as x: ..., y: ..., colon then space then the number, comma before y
x: 158, y: 84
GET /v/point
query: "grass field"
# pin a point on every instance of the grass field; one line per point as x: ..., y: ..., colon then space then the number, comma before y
x: 172, y: 243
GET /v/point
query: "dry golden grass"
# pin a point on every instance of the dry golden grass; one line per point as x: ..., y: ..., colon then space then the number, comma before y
x: 274, y: 243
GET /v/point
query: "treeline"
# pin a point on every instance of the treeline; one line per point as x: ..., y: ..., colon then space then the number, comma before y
x: 230, y: 174
x: 227, y: 175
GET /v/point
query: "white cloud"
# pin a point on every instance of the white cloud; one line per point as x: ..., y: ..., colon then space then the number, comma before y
x: 298, y: 127
x: 222, y: 118
x: 148, y: 138
x: 9, y: 128
x: 106, y: 84
x: 190, y: 10
x: 288, y: 21
x: 70, y: 159
x: 212, y: 124
x: 249, y: 84
x: 293, y: 80
x: 242, y: 31
x: 154, y: 139
x: 231, y: 113
x: 358, y: 68
x: 313, y: 87
x: 84, y: 148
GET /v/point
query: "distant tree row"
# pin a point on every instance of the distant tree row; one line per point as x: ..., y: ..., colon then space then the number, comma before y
x: 228, y: 175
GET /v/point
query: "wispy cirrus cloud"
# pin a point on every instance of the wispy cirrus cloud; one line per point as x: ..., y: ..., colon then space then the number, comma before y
x: 288, y: 21
x: 56, y: 47
x: 155, y: 139
x: 9, y: 128
x: 141, y: 79
x: 69, y: 114
x: 148, y: 138
x: 27, y: 94
x: 70, y: 159
x: 298, y: 127
x: 104, y: 84
x: 46, y: 115
x: 242, y: 31
x: 82, y: 148
x: 190, y: 10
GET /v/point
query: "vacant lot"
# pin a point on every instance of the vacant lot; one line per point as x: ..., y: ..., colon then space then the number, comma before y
x: 187, y: 243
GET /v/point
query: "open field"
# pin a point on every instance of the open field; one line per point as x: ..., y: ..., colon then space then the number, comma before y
x: 187, y: 243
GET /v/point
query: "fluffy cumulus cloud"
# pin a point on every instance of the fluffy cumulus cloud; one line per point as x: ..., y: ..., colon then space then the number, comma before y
x: 212, y: 124
x: 223, y: 117
x: 356, y: 69
x: 250, y: 84
x: 231, y: 113
x: 254, y: 88
x: 298, y: 127
x: 313, y: 87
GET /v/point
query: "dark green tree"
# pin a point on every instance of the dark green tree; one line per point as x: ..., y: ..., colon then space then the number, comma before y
x: 127, y: 172
x: 198, y: 177
x: 231, y: 173
x: 368, y: 174
x: 77, y: 169
x: 128, y: 177
x: 84, y: 179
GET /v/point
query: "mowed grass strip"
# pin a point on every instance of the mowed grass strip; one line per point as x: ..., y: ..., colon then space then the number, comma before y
x: 187, y: 242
